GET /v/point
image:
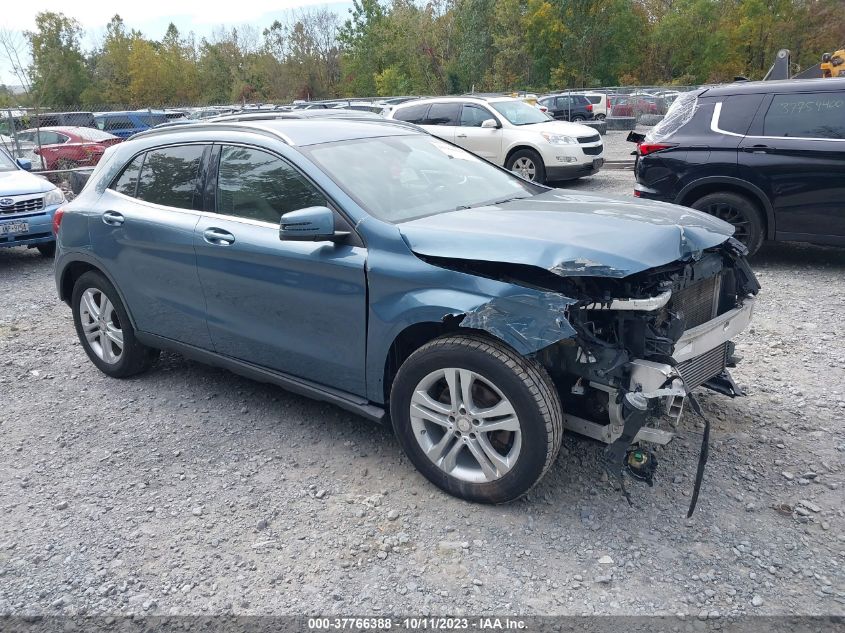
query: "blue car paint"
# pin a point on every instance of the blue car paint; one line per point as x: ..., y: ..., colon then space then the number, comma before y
x: 20, y: 182
x: 137, y: 123
x: 384, y: 280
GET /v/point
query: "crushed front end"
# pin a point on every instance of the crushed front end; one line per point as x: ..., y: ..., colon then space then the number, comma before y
x: 644, y: 342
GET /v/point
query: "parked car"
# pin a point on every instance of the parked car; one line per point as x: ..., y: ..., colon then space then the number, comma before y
x: 511, y: 133
x: 627, y: 105
x: 68, y: 147
x: 568, y: 107
x: 767, y: 157
x: 27, y: 205
x: 599, y: 103
x: 369, y: 264
x: 125, y: 124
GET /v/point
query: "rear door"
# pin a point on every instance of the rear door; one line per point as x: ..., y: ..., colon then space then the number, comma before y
x: 442, y: 120
x: 485, y: 142
x: 144, y: 234
x: 797, y: 148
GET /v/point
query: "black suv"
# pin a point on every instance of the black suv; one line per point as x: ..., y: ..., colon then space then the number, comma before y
x: 768, y: 157
x: 568, y: 107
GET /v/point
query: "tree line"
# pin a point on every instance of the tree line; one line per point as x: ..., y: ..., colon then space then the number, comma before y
x: 405, y: 47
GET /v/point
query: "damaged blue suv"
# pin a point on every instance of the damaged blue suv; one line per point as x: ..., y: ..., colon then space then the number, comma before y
x: 374, y: 266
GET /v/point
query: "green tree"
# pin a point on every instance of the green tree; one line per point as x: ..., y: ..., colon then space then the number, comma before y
x: 58, y: 70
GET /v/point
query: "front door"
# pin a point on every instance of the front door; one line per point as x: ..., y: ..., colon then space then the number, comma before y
x: 797, y: 148
x: 485, y: 142
x: 296, y: 307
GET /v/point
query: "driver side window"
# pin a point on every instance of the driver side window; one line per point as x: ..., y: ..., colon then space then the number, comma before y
x: 474, y: 116
x: 257, y: 185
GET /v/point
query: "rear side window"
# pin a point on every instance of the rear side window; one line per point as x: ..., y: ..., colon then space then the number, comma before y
x: 738, y: 112
x: 117, y: 123
x: 807, y: 115
x: 152, y: 119
x: 127, y: 182
x: 260, y: 186
x: 169, y: 176
x: 443, y: 114
x: 681, y: 113
x: 412, y: 114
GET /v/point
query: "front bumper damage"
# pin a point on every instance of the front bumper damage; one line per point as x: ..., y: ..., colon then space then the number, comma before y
x: 662, y: 383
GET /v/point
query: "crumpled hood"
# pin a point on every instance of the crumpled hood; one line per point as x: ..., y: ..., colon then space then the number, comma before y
x: 569, y: 233
x: 17, y: 182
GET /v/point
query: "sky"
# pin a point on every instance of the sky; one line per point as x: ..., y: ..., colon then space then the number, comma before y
x: 151, y: 17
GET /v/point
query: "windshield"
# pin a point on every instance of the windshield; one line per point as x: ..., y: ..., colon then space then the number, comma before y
x: 520, y: 113
x: 6, y: 162
x: 399, y: 178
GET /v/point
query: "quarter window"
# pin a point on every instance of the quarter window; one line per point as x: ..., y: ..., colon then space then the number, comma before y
x: 807, y: 115
x: 412, y: 114
x: 169, y: 176
x: 259, y: 186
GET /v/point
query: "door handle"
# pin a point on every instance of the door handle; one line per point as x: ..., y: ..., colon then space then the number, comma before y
x: 460, y: 136
x: 218, y: 237
x: 758, y: 149
x: 113, y: 218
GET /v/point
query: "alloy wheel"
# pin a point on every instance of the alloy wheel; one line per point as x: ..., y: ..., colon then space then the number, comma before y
x: 733, y: 216
x: 101, y: 325
x: 465, y: 425
x: 525, y: 167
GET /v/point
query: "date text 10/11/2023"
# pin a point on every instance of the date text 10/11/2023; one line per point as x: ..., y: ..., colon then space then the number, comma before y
x: 383, y: 623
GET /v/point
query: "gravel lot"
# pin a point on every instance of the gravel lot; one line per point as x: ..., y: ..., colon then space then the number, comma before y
x: 191, y: 490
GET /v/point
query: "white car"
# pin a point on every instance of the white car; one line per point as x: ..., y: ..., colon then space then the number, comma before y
x: 599, y: 101
x: 510, y: 133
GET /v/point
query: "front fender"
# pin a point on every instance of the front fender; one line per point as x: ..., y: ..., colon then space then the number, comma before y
x: 406, y: 291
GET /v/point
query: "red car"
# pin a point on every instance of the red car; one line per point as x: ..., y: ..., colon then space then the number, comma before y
x: 67, y: 147
x: 625, y: 105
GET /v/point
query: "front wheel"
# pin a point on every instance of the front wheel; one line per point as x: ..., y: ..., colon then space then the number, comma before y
x: 527, y: 164
x: 104, y: 328
x: 740, y: 212
x: 477, y: 419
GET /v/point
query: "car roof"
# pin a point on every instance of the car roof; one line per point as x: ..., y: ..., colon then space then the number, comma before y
x: 295, y: 131
x: 782, y: 86
x: 125, y: 112
x: 66, y: 129
x: 456, y: 99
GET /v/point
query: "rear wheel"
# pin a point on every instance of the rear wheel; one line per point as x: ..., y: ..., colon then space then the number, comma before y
x: 601, y: 117
x: 477, y: 419
x: 578, y: 118
x: 104, y: 328
x: 528, y: 164
x: 739, y: 211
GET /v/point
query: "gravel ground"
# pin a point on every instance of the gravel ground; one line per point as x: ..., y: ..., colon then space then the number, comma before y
x: 190, y: 490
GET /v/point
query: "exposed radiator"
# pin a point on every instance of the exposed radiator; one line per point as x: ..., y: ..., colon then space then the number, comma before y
x: 696, y: 371
x: 698, y: 302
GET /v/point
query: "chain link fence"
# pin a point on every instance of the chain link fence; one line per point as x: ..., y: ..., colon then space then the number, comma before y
x: 57, y: 142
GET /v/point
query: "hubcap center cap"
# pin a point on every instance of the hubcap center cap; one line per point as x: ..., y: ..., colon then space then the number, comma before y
x: 464, y: 425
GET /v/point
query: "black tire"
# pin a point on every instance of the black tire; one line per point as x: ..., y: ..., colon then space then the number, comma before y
x: 135, y: 357
x: 47, y: 249
x: 738, y: 210
x: 578, y: 118
x: 524, y: 382
x: 536, y: 160
x: 601, y: 117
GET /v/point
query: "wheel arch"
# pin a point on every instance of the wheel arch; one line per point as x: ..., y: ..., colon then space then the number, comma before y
x: 73, y: 270
x: 520, y: 146
x: 704, y: 186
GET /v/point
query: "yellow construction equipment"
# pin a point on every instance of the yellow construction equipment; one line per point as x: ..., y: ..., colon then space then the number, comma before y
x: 833, y: 64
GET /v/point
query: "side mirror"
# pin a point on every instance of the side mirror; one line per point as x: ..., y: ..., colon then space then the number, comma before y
x: 312, y: 224
x: 490, y: 124
x: 24, y: 163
